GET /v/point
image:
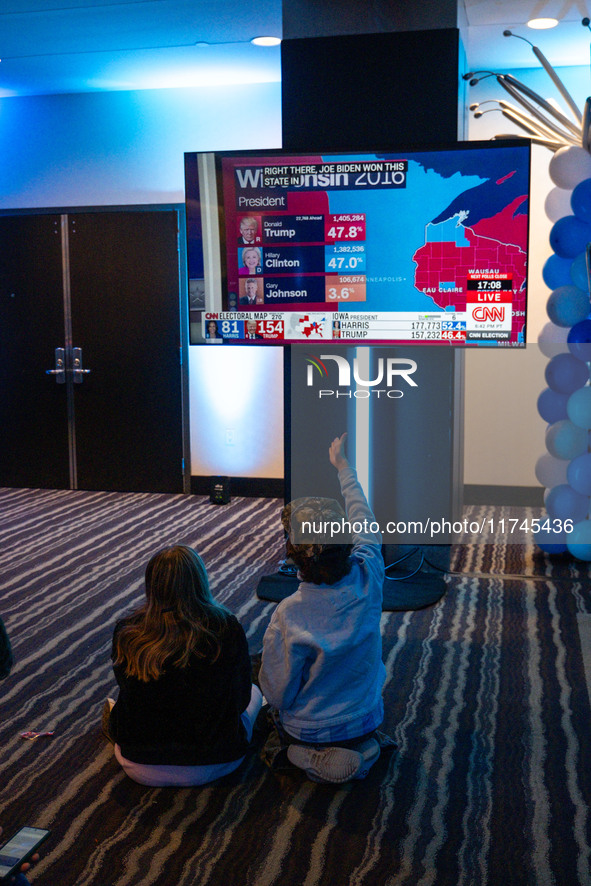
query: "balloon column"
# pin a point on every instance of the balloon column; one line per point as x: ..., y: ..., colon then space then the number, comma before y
x: 565, y: 470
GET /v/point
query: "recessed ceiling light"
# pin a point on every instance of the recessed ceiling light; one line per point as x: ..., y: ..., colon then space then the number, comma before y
x: 266, y: 41
x: 541, y: 24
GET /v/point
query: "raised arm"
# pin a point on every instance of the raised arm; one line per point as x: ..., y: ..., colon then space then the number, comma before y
x: 358, y: 511
x: 336, y: 453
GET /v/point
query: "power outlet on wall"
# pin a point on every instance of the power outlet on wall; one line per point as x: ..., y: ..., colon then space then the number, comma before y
x: 230, y: 437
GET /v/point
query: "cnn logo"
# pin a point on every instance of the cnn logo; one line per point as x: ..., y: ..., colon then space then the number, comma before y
x: 489, y: 313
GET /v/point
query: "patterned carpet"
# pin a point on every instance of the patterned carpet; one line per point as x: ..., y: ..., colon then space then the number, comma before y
x: 513, y: 552
x: 486, y: 696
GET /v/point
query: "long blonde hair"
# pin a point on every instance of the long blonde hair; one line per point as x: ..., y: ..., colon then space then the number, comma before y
x: 179, y: 619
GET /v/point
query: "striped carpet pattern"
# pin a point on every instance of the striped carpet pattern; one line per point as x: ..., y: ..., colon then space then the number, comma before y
x: 513, y: 552
x: 486, y: 696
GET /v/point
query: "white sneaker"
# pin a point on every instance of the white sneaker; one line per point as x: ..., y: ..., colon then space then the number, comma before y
x: 334, y: 765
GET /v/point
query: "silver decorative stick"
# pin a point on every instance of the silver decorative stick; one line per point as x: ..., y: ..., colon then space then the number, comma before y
x: 551, y: 73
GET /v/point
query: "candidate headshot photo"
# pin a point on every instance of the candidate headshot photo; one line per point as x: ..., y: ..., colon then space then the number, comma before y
x: 211, y: 330
x: 251, y: 292
x: 250, y: 329
x: 250, y: 260
x: 249, y: 231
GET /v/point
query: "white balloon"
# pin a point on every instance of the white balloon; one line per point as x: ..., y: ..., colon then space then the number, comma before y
x: 557, y: 204
x: 569, y: 166
x: 552, y: 340
x: 551, y: 471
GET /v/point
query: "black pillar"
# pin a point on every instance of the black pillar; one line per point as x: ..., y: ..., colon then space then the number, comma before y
x: 394, y: 86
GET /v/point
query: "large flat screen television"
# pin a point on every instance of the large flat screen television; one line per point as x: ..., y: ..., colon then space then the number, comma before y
x: 392, y: 247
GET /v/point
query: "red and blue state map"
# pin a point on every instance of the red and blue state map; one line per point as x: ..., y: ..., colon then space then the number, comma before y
x: 454, y: 250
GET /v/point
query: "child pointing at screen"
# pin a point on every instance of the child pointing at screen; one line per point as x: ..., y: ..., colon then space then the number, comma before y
x: 322, y: 666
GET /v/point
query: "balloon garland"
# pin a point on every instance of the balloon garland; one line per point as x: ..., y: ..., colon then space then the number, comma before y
x: 565, y: 404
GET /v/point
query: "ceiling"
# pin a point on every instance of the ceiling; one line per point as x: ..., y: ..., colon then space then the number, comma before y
x: 62, y: 46
x: 566, y: 44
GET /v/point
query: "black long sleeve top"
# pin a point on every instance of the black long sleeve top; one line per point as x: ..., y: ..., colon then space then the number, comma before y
x: 188, y: 716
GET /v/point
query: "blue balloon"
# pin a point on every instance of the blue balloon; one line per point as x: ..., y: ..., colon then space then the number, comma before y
x: 565, y: 374
x: 578, y: 541
x: 552, y: 405
x: 566, y: 440
x: 578, y: 407
x: 581, y: 200
x: 551, y: 542
x: 578, y: 473
x: 557, y: 272
x: 564, y: 503
x: 569, y: 236
x: 578, y: 272
x: 579, y: 340
x: 568, y: 305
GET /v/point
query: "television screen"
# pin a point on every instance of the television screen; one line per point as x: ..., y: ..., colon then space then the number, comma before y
x: 421, y: 246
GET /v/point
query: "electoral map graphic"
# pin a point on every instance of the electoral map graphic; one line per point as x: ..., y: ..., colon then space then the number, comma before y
x: 424, y: 241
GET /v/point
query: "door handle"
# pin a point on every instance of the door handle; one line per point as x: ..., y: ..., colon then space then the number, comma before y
x: 60, y: 367
x: 77, y: 370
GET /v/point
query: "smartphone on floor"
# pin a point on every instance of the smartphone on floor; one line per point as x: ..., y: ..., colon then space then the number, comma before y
x: 19, y: 848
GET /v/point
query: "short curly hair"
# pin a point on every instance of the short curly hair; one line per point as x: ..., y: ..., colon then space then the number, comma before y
x: 319, y: 559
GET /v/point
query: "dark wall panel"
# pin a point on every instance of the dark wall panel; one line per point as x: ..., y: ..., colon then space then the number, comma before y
x: 125, y: 317
x: 370, y: 90
x: 33, y: 415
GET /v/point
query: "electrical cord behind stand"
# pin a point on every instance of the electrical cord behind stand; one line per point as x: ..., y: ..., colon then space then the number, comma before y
x: 423, y: 560
x: 288, y: 567
x: 400, y: 560
x: 440, y: 569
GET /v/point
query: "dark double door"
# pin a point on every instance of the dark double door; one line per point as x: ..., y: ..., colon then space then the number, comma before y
x: 103, y: 289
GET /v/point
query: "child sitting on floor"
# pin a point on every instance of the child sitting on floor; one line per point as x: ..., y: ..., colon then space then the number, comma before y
x: 322, y: 666
x: 186, y: 705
